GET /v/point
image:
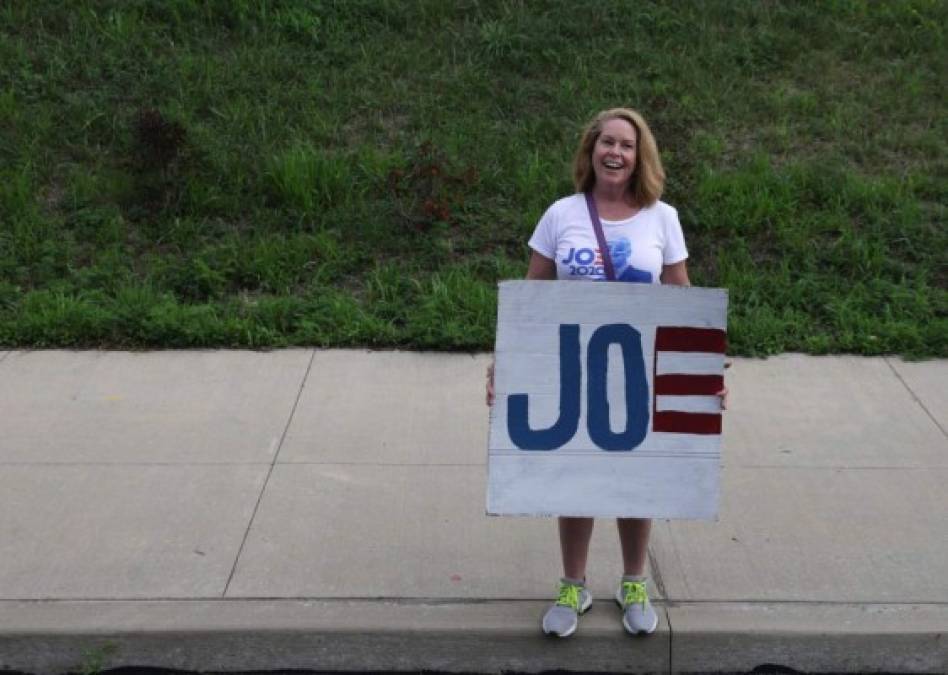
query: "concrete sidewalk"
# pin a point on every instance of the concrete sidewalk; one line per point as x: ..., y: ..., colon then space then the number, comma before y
x: 324, y: 510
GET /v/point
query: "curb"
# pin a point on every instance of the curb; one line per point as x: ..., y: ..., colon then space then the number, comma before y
x: 51, y: 637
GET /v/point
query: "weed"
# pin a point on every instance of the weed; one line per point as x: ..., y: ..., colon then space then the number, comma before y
x: 157, y: 163
x: 430, y: 190
x: 94, y: 659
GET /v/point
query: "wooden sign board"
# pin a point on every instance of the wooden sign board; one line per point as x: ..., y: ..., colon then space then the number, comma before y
x: 605, y: 400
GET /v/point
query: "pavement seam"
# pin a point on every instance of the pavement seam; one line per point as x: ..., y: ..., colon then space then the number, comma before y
x: 840, y: 467
x: 808, y: 467
x: 266, y: 481
x: 120, y: 463
x: 402, y: 600
x: 660, y: 585
x: 656, y: 573
x: 4, y: 355
x: 388, y: 464
x: 915, y: 396
x: 681, y: 566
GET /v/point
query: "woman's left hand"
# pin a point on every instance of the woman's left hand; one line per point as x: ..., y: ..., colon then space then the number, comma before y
x: 490, y: 384
x: 723, y: 393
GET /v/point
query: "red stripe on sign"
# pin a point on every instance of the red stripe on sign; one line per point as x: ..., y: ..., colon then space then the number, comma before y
x: 684, y: 339
x: 688, y: 385
x: 687, y: 423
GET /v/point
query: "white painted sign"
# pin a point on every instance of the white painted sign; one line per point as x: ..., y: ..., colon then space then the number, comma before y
x: 605, y: 400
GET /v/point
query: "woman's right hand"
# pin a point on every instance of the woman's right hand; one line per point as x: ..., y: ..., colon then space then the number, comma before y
x: 490, y: 384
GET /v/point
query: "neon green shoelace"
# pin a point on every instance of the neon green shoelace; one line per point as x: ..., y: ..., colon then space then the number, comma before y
x: 634, y: 591
x: 569, y: 596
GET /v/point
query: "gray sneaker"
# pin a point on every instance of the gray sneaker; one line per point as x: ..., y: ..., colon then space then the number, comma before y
x: 562, y: 618
x: 638, y: 617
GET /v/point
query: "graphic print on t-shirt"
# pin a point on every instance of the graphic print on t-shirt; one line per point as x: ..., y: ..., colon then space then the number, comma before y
x: 588, y: 262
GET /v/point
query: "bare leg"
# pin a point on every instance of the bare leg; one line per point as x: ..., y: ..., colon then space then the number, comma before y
x: 633, y: 536
x: 574, y: 544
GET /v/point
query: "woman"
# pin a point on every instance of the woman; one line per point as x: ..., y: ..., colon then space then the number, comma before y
x: 618, y: 166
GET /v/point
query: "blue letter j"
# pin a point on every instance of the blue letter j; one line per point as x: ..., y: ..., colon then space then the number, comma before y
x: 565, y: 427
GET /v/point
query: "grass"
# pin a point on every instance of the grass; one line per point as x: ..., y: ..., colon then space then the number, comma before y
x: 176, y: 173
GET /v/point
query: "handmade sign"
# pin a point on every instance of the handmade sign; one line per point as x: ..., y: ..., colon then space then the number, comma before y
x: 605, y: 400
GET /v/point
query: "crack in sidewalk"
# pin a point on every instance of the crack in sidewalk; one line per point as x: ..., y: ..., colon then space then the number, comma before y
x: 463, y: 601
x: 266, y: 481
x: 915, y: 396
x: 660, y: 585
x: 656, y: 573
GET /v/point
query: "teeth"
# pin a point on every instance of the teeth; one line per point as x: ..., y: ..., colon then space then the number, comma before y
x: 613, y: 165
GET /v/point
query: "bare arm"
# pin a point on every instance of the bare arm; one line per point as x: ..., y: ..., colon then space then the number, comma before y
x: 676, y: 275
x: 541, y: 267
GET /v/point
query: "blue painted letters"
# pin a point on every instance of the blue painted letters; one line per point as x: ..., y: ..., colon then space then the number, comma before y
x: 597, y: 359
x: 636, y: 388
x: 565, y: 427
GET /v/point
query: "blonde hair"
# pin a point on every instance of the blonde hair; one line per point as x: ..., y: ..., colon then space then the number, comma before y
x: 648, y: 178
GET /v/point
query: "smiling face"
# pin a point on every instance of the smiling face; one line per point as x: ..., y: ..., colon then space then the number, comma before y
x: 614, y: 153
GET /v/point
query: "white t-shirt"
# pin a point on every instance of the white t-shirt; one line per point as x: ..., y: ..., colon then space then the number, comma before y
x: 639, y: 246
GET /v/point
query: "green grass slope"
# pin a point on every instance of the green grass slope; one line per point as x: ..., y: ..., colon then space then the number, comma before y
x: 176, y: 173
